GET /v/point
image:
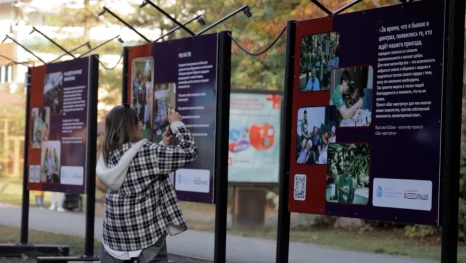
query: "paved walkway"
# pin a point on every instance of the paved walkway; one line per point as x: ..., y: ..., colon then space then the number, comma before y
x: 200, y: 244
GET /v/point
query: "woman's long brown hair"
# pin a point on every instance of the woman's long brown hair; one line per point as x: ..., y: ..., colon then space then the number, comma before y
x: 121, y: 125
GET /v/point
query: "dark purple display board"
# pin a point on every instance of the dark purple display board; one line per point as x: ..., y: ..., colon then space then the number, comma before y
x: 58, y: 133
x: 191, y: 63
x: 182, y: 75
x: 381, y: 162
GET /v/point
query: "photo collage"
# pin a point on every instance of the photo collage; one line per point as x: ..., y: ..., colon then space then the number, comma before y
x: 350, y: 106
x: 151, y: 101
x: 49, y: 169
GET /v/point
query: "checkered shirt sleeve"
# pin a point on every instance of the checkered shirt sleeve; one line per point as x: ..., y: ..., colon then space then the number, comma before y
x: 170, y: 158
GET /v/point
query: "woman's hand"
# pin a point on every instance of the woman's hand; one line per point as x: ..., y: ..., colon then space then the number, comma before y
x: 173, y: 116
x: 167, y: 137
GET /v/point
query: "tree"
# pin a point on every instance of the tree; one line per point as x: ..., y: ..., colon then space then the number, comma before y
x: 264, y: 72
x: 11, y: 124
x: 253, y: 34
x: 68, y: 16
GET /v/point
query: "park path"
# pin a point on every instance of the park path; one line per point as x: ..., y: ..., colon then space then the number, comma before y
x: 200, y: 244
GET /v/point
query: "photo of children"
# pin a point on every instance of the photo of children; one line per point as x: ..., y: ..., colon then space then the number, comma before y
x: 164, y: 99
x: 319, y: 55
x: 141, y: 92
x: 53, y: 92
x: 351, y: 95
x: 348, y: 173
x: 40, y: 119
x: 316, y: 130
x: 50, y: 162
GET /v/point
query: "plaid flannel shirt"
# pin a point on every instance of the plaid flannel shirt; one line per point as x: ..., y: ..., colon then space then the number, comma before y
x: 138, y: 214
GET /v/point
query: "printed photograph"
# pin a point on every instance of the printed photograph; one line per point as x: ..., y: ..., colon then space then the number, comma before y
x: 319, y: 56
x: 50, y: 162
x: 348, y: 173
x: 40, y: 120
x: 316, y: 130
x: 53, y: 92
x: 351, y: 95
x: 141, y: 92
x: 164, y: 99
x: 37, y: 173
x: 34, y: 174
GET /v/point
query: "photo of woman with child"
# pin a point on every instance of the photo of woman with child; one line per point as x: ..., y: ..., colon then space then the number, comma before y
x: 40, y: 118
x: 50, y: 165
x: 351, y: 94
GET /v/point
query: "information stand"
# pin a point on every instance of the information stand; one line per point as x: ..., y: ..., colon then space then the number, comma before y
x: 192, y: 76
x: 367, y: 114
x: 61, y: 120
x: 373, y: 89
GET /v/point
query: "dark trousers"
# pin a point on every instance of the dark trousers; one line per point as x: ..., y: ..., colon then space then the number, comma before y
x: 156, y: 253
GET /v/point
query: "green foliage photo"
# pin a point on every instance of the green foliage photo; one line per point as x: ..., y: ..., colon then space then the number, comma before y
x: 358, y: 154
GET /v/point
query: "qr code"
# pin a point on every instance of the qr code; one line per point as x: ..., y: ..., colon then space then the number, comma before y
x: 300, y: 187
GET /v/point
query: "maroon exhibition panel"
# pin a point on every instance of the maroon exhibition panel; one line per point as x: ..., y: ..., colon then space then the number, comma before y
x: 367, y: 114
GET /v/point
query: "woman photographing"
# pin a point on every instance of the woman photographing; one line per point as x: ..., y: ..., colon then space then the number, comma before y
x: 141, y: 207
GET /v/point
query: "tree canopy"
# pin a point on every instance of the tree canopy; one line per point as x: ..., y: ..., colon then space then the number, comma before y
x: 254, y: 34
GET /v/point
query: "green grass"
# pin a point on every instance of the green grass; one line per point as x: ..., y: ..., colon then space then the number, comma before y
x: 11, y: 189
x: 389, y: 242
x: 197, y: 207
x: 392, y: 242
x: 10, y: 235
